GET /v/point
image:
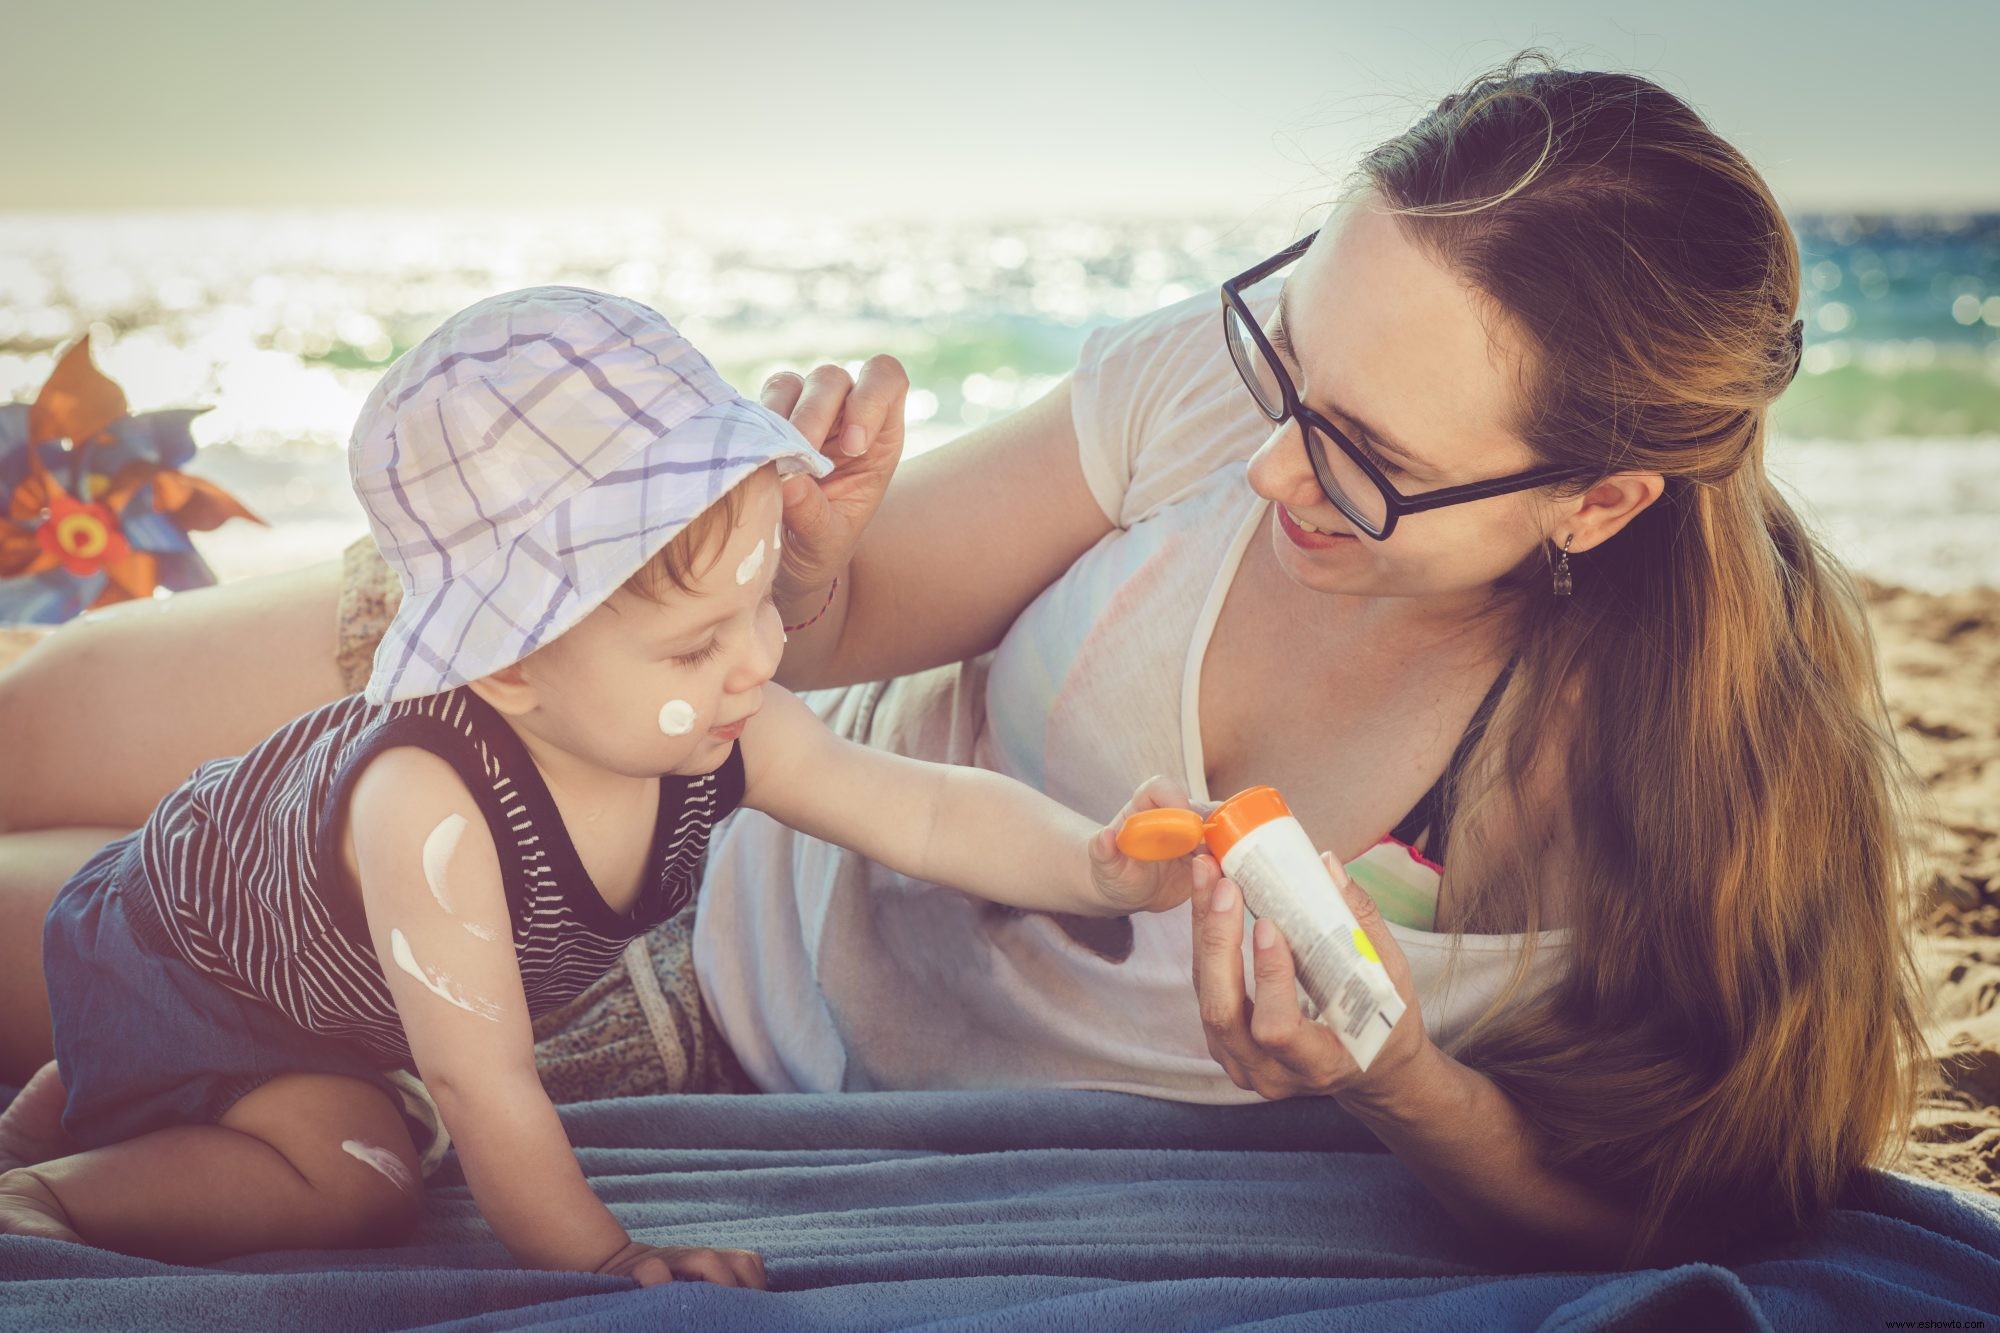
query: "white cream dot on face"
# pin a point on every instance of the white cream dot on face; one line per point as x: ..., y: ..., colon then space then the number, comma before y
x: 777, y: 536
x: 438, y: 848
x: 475, y: 929
x: 382, y: 1160
x: 438, y: 983
x: 677, y: 717
x: 751, y: 564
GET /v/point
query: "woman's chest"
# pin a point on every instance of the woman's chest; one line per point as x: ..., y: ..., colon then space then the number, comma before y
x: 1353, y: 752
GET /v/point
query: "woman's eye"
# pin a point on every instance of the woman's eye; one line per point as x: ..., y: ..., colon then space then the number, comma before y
x: 695, y: 659
x: 1375, y: 457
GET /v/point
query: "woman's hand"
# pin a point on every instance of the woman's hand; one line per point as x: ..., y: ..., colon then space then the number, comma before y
x: 1125, y: 884
x: 1267, y: 1043
x: 858, y: 426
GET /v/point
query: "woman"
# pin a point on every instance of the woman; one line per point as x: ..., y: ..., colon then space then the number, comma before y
x: 1662, y: 995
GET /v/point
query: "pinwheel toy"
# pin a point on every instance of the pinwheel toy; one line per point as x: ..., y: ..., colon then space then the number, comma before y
x: 97, y: 508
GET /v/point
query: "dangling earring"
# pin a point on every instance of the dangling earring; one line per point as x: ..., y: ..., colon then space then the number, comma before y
x: 1562, y: 568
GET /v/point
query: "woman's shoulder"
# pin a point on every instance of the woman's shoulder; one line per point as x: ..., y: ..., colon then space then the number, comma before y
x: 1158, y: 405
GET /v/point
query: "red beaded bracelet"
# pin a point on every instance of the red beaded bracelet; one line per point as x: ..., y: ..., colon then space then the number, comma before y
x: 831, y: 589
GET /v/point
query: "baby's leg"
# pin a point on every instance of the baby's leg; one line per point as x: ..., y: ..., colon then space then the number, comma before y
x: 306, y: 1161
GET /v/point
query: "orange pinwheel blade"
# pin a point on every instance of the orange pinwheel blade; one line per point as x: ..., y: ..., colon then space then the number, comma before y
x: 204, y: 507
x: 78, y: 401
x: 21, y: 554
x: 171, y: 490
x: 37, y: 491
x: 132, y: 575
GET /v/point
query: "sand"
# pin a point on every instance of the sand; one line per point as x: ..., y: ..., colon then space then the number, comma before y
x: 1941, y: 672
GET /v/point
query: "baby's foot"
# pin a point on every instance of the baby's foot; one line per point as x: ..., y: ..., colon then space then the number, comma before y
x: 31, y: 1127
x: 30, y: 1208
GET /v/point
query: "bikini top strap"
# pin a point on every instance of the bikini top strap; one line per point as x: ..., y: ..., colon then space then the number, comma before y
x: 1432, y: 810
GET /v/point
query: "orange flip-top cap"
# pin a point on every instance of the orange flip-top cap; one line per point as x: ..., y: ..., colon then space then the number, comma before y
x: 1160, y: 835
x: 1230, y: 822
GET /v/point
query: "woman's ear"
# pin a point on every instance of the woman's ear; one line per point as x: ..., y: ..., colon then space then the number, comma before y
x: 510, y: 690
x: 1596, y: 516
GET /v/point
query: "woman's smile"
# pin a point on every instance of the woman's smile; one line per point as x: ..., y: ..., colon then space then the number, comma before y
x: 1307, y: 537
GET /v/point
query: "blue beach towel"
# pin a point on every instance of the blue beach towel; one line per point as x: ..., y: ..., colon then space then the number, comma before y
x: 1037, y: 1208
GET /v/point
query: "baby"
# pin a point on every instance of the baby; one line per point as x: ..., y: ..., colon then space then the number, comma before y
x: 318, y: 963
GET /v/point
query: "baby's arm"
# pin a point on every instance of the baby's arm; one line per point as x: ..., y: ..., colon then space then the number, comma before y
x: 437, y: 912
x: 966, y: 827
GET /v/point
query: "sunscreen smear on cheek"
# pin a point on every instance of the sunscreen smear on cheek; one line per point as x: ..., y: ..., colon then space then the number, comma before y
x: 1263, y: 848
x: 677, y: 717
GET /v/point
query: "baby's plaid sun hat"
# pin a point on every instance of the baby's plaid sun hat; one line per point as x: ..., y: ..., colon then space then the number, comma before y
x: 528, y: 457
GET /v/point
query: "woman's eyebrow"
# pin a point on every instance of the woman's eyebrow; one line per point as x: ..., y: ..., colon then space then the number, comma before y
x: 1377, y: 437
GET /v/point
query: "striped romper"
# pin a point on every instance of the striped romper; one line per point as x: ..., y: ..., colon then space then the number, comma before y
x: 207, y: 952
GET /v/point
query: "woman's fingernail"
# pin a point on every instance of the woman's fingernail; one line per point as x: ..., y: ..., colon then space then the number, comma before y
x: 1266, y: 933
x: 853, y: 441
x: 1224, y: 897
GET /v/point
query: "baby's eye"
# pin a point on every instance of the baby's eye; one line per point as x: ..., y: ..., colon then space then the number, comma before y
x: 700, y: 656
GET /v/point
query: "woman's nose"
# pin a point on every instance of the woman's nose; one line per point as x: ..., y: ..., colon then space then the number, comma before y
x: 1280, y: 470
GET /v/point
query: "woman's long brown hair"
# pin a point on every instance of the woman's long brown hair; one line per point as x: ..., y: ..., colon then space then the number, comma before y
x: 1739, y: 1027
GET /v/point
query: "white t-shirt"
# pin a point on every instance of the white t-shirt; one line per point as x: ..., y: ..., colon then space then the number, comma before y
x: 827, y: 972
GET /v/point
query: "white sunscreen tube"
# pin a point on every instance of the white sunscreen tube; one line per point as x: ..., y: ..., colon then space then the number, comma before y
x: 1267, y: 853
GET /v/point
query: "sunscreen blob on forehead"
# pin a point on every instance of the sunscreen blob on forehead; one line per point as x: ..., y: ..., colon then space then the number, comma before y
x: 752, y: 562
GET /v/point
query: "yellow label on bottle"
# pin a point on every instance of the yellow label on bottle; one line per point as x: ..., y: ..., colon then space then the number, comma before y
x: 1365, y: 945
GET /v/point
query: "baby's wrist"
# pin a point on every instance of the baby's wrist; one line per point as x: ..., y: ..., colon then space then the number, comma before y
x: 622, y: 1255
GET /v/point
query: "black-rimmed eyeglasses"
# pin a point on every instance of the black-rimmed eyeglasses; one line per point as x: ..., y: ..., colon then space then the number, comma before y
x: 1352, y: 481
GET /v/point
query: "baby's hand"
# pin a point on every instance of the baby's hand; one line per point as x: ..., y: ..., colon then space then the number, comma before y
x: 650, y: 1265
x: 1126, y: 884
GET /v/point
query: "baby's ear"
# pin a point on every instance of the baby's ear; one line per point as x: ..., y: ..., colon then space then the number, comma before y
x: 511, y: 689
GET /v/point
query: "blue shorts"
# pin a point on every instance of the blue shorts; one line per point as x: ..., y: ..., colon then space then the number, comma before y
x: 145, y: 1040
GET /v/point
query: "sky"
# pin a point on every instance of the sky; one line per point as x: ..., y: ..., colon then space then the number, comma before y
x: 1023, y: 108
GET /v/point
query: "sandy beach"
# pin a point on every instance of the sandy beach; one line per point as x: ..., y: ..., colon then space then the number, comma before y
x: 1941, y: 668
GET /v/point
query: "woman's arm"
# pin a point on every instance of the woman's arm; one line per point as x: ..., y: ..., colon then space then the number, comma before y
x: 111, y: 712
x: 1454, y: 1128
x: 965, y: 539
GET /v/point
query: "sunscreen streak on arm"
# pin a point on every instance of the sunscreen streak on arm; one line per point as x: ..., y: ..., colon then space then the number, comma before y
x: 438, y: 847
x: 438, y: 983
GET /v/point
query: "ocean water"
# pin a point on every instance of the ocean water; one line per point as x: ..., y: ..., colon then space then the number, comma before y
x: 280, y: 323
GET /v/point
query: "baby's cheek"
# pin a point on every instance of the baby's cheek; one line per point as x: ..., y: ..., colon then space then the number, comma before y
x: 676, y: 717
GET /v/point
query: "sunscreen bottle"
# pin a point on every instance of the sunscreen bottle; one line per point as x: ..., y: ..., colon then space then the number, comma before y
x: 1265, y: 851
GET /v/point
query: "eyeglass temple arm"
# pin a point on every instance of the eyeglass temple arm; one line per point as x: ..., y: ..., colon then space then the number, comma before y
x: 1484, y: 490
